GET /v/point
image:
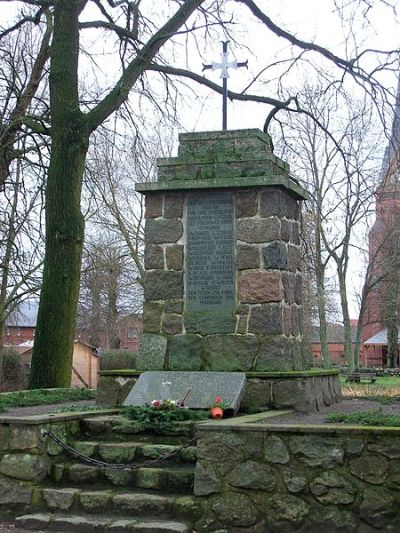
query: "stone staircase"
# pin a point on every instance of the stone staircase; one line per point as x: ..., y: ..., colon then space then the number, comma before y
x: 87, y: 497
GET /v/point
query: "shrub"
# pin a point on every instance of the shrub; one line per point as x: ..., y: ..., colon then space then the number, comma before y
x: 13, y: 372
x: 147, y: 418
x: 117, y: 360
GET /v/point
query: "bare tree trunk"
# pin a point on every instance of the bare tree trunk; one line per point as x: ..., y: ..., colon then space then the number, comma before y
x: 52, y: 352
x: 321, y: 298
x: 348, y: 354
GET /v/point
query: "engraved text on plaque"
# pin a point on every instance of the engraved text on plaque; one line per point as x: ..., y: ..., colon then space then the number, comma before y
x: 210, y: 252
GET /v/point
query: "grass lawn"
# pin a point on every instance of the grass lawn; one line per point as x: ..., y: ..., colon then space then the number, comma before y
x: 43, y: 397
x: 384, y: 387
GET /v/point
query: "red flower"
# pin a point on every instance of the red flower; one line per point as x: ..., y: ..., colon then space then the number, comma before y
x: 155, y: 403
x: 218, y: 399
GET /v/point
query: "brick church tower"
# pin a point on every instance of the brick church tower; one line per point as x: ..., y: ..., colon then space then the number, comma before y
x: 381, y: 235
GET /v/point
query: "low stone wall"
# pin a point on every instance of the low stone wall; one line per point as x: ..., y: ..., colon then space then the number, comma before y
x: 254, y: 476
x: 114, y: 386
x: 305, y: 391
x: 27, y: 456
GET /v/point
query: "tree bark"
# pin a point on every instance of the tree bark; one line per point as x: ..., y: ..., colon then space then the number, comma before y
x: 348, y: 353
x: 52, y: 353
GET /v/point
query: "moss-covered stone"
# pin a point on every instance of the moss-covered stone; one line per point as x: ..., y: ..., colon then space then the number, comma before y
x: 295, y: 259
x: 295, y: 481
x: 153, y: 257
x: 173, y: 205
x: 370, y: 468
x: 377, y: 507
x: 123, y: 478
x: 174, y: 256
x: 274, y: 354
x: 257, y: 395
x: 286, y: 508
x: 153, y: 351
x: 234, y: 509
x: 388, y: 449
x: 266, y: 319
x: 85, y: 447
x: 149, y: 478
x: 210, y: 323
x: 14, y: 493
x: 95, y: 501
x: 175, y: 307
x: 231, y: 352
x: 185, y: 352
x: 277, y: 202
x: 59, y: 499
x: 153, y: 205
x: 112, y: 390
x: 206, y: 480
x: 81, y: 473
x: 188, y: 507
x: 152, y: 312
x: 252, y: 475
x: 246, y: 204
x: 276, y: 256
x: 313, y: 450
x: 163, y: 231
x: 24, y: 466
x: 172, y: 324
x: 22, y: 438
x: 276, y: 450
x: 258, y: 287
x: 120, y: 453
x: 247, y: 257
x: 163, y: 285
x: 258, y: 230
x: 331, y: 487
x: 140, y: 504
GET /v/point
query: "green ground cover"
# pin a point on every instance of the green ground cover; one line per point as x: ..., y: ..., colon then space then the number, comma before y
x: 43, y: 397
x: 365, y: 418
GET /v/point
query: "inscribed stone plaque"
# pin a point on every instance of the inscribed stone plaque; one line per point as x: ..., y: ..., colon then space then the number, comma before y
x: 210, y: 252
x: 203, y: 386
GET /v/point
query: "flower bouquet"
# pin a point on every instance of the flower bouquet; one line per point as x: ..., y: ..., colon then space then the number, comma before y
x: 218, y: 407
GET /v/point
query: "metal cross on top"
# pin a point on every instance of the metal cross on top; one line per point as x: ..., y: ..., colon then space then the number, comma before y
x: 224, y: 65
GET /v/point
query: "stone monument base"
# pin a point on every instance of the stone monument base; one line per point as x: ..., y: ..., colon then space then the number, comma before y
x: 305, y: 391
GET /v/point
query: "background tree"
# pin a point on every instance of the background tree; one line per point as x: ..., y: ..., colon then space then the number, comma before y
x: 109, y: 290
x: 23, y: 55
x: 335, y: 157
x: 140, y: 40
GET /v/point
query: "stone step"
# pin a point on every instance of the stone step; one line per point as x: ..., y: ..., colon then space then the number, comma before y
x: 116, y: 502
x: 127, y: 452
x: 171, y: 478
x: 107, y: 425
x: 98, y: 524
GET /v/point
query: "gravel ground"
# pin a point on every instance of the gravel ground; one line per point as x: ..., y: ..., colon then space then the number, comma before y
x: 346, y: 406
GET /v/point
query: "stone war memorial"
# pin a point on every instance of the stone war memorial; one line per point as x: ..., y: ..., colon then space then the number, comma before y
x: 223, y: 260
x: 222, y: 317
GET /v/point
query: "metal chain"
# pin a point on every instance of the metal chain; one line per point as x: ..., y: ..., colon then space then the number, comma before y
x: 114, y: 466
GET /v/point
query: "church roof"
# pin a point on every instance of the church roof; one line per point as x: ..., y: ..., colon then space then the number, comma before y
x: 381, y: 338
x: 393, y: 146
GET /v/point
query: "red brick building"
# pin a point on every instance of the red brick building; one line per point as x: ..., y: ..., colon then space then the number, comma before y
x: 20, y: 329
x: 385, y: 227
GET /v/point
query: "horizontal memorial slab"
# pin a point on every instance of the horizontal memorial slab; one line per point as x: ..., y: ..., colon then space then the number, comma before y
x: 203, y: 387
